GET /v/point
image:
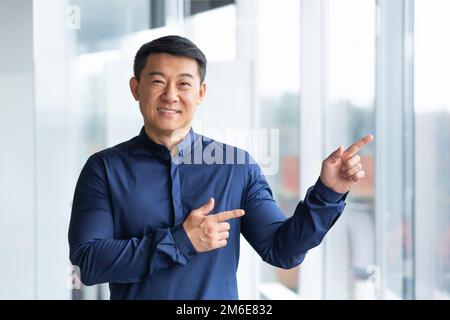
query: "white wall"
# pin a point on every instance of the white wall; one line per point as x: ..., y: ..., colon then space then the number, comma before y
x: 17, y: 216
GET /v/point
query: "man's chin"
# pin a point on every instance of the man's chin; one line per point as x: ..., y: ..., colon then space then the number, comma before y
x: 174, y: 130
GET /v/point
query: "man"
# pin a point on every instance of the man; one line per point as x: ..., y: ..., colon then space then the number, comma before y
x: 156, y: 222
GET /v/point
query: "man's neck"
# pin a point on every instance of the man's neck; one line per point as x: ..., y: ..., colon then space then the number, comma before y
x: 167, y: 139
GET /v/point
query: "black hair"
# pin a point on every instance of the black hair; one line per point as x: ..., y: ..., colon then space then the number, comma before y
x: 174, y: 45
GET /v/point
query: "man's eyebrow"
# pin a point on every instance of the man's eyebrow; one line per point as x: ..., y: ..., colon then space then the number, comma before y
x: 159, y: 73
x: 156, y: 73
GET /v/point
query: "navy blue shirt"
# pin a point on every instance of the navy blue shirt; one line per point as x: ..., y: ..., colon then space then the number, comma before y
x: 130, y: 202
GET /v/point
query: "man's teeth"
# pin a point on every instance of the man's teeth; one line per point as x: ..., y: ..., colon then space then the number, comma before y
x: 167, y: 110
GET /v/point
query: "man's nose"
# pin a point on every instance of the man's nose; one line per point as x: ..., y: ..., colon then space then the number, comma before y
x: 171, y: 94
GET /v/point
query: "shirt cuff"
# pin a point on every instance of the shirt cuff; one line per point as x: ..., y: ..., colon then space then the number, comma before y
x: 183, y: 242
x: 327, y: 194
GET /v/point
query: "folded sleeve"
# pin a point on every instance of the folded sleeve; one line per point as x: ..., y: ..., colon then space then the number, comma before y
x: 102, y: 258
x: 280, y: 241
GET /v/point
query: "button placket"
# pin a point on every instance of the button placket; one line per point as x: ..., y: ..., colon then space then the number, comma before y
x: 176, y: 193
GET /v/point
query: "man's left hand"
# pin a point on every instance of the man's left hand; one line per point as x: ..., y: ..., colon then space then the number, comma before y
x: 342, y: 170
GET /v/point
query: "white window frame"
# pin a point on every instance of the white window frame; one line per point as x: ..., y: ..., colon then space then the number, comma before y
x: 394, y: 132
x: 311, y: 118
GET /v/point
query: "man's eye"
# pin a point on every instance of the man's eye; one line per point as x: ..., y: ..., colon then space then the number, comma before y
x: 157, y: 82
x: 185, y: 84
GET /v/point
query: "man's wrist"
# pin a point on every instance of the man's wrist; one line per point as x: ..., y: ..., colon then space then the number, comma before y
x: 183, y: 242
x: 327, y: 194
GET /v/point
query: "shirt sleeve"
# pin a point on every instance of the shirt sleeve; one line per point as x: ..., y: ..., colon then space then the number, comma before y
x: 284, y: 242
x: 102, y: 258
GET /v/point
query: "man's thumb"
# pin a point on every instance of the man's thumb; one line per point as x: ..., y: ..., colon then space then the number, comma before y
x: 207, y: 207
x: 337, y: 154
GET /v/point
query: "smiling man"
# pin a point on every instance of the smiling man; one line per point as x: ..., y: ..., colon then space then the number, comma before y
x: 155, y: 222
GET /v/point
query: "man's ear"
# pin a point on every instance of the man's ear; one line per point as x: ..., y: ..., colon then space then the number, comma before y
x: 201, y: 93
x: 134, y: 85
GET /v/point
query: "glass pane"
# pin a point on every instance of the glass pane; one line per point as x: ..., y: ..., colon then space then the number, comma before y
x: 196, y: 6
x: 83, y: 104
x: 102, y: 22
x: 350, y: 57
x: 278, y: 82
x: 432, y: 110
x: 219, y: 45
x: 93, y: 109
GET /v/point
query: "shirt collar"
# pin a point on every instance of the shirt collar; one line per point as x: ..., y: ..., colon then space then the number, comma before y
x: 182, y: 148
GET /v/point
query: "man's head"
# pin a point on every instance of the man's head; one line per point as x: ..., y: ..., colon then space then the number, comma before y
x: 168, y: 82
x: 174, y: 45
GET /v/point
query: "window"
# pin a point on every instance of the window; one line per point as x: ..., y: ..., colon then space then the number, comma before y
x: 350, y: 59
x: 196, y: 6
x: 278, y: 70
x: 432, y: 148
x: 102, y: 22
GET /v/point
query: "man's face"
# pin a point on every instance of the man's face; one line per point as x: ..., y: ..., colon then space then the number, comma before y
x: 168, y: 92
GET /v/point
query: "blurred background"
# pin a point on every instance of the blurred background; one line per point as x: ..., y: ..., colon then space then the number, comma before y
x: 321, y: 72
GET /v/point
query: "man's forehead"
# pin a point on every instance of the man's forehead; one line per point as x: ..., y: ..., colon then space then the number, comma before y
x: 163, y: 63
x: 162, y: 58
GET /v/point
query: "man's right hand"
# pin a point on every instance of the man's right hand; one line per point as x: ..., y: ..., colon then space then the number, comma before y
x: 209, y: 232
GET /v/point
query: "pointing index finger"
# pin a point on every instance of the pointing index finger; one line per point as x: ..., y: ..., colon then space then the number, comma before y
x: 354, y: 148
x: 227, y: 215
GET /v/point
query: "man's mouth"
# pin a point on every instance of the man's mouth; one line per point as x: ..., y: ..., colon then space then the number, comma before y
x: 169, y: 111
